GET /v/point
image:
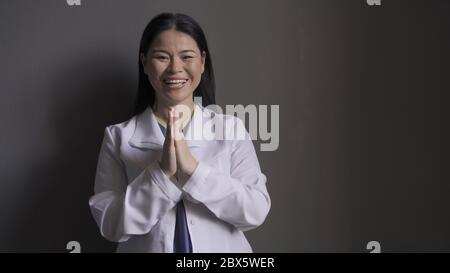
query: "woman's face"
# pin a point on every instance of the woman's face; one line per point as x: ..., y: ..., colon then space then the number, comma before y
x: 174, y: 66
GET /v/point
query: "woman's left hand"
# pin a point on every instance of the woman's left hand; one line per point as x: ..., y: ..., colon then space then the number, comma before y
x: 186, y: 163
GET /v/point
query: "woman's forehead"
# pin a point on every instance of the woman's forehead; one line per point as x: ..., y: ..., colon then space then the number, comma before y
x: 174, y: 41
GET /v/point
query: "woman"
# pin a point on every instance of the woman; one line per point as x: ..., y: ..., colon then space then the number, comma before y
x: 158, y: 190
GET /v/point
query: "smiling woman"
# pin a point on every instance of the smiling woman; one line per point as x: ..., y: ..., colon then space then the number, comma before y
x: 174, y: 66
x: 171, y: 42
x: 156, y: 191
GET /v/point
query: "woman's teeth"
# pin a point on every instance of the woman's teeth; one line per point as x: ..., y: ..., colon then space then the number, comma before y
x: 175, y: 83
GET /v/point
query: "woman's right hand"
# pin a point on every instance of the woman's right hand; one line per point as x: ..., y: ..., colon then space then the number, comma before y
x: 168, y: 160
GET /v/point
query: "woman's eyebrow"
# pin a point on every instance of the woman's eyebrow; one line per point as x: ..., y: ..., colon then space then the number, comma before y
x: 187, y: 50
x: 159, y: 50
x: 164, y: 51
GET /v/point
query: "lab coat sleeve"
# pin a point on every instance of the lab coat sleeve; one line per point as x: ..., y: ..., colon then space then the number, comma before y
x: 240, y: 197
x: 122, y: 209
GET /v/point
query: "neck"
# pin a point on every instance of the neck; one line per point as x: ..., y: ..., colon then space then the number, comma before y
x: 162, y: 109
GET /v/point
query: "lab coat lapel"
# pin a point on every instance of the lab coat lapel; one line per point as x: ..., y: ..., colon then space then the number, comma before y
x: 147, y: 133
x: 193, y: 135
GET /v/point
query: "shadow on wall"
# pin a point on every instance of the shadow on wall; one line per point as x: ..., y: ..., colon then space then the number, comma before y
x: 86, y: 97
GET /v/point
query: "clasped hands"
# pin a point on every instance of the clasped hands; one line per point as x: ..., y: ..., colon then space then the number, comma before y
x: 177, y: 160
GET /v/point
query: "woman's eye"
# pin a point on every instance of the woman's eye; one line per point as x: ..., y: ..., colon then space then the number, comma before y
x: 163, y: 58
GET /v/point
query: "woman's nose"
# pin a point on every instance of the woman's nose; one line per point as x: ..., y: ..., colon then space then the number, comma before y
x: 175, y: 65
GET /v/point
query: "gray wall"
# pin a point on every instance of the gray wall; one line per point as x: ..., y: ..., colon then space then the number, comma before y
x: 362, y: 92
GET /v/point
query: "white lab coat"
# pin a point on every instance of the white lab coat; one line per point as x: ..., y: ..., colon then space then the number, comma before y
x: 135, y: 202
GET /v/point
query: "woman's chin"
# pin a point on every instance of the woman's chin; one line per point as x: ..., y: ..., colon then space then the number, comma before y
x: 178, y: 97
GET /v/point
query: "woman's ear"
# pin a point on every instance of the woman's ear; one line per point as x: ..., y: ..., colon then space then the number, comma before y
x: 143, y: 59
x: 143, y: 62
x: 203, y: 61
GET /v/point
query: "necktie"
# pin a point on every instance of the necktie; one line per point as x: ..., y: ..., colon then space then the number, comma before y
x: 182, y: 240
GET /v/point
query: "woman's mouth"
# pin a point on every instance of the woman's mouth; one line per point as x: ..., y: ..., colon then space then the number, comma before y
x: 175, y: 84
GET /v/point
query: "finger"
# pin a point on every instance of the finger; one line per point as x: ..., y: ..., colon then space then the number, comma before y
x: 177, y: 129
x: 169, y: 131
x: 172, y: 125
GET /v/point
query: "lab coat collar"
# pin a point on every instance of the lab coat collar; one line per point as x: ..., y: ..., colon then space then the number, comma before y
x: 147, y: 133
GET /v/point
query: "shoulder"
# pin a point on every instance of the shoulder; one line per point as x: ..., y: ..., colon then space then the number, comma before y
x: 232, y: 126
x: 123, y: 130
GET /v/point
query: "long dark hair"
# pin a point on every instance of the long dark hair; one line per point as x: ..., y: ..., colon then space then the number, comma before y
x: 186, y: 24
